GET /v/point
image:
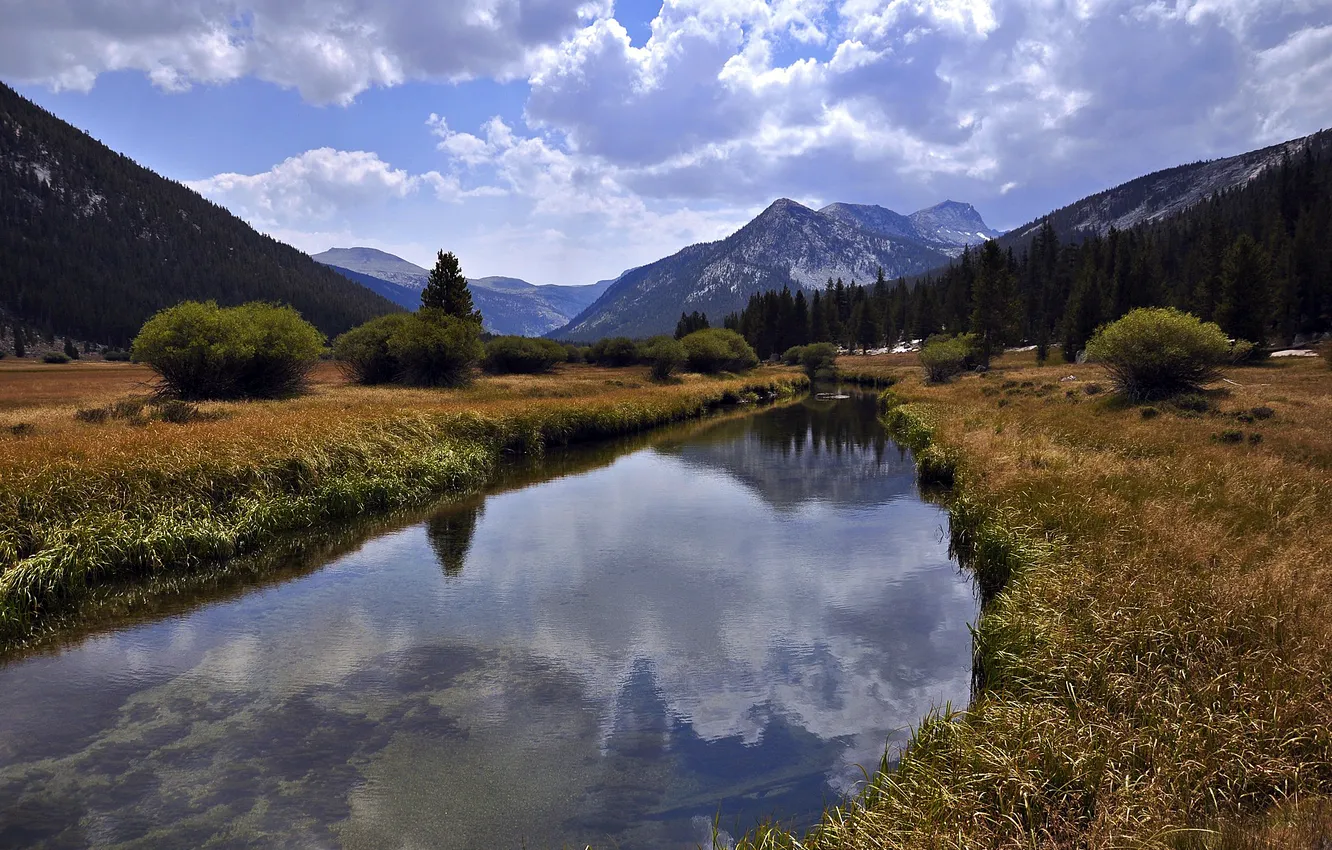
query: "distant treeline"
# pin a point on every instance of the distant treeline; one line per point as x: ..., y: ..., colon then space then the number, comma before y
x: 92, y: 244
x: 1256, y: 259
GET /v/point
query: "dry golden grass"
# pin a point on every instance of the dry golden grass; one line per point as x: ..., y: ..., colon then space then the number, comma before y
x: 81, y: 502
x: 1159, y: 660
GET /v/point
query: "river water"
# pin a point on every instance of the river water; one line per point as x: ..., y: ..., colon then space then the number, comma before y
x: 722, y: 621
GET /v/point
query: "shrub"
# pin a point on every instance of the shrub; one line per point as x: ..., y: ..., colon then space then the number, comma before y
x: 614, y: 351
x: 1150, y: 413
x: 1159, y: 352
x: 944, y: 357
x: 718, y: 350
x: 92, y: 415
x: 71, y: 350
x: 116, y: 355
x: 665, y: 354
x: 574, y: 353
x: 523, y: 355
x: 1092, y: 389
x: 1263, y: 412
x: 54, y: 357
x: 819, y: 360
x: 792, y: 355
x: 436, y: 349
x: 363, y: 353
x: 202, y: 351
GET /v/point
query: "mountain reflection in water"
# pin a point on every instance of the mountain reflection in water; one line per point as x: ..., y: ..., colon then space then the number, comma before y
x: 730, y: 618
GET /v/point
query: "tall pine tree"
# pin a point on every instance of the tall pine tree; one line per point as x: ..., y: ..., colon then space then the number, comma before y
x: 446, y: 290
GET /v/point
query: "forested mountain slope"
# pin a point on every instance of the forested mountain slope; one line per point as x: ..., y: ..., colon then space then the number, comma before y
x: 92, y: 244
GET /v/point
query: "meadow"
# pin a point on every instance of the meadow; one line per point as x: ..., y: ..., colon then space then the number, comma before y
x: 101, y: 485
x: 1154, y: 660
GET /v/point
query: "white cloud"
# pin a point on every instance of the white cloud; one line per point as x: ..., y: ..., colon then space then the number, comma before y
x: 330, y: 51
x: 318, y: 184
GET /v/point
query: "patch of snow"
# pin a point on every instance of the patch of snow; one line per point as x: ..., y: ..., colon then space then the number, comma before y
x: 42, y: 173
x: 1294, y: 352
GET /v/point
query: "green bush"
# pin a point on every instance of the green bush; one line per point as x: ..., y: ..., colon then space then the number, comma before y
x: 819, y: 360
x: 202, y: 351
x: 792, y: 355
x: 363, y: 352
x: 436, y: 349
x: 614, y: 351
x: 116, y: 355
x: 944, y: 357
x: 665, y: 355
x: 523, y: 355
x: 718, y: 350
x: 1159, y: 352
x: 55, y: 357
x: 574, y: 353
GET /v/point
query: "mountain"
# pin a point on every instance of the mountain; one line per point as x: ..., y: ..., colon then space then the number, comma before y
x: 947, y: 227
x: 1156, y: 196
x: 92, y: 244
x: 508, y: 305
x: 378, y: 264
x: 786, y: 245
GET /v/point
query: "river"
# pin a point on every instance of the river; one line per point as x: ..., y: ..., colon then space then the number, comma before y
x: 723, y: 621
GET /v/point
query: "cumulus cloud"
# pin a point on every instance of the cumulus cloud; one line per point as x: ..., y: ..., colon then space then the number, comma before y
x: 318, y: 184
x: 329, y: 50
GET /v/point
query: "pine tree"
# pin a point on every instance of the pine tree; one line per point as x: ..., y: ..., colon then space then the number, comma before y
x: 1246, y: 277
x: 992, y: 301
x: 446, y: 289
x: 20, y: 344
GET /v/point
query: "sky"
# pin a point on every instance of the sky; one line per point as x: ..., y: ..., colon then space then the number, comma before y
x: 565, y: 141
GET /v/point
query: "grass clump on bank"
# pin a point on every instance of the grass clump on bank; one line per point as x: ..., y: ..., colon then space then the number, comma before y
x: 86, y: 502
x: 1154, y: 660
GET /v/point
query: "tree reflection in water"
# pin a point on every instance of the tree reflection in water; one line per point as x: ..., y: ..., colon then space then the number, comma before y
x: 450, y: 533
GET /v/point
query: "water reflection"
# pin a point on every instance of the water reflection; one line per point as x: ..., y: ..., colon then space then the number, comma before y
x: 733, y: 618
x: 450, y: 532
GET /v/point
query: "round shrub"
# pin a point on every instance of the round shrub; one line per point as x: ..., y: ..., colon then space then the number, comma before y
x: 436, y: 349
x: 819, y: 360
x: 55, y: 357
x: 363, y: 352
x: 574, y: 353
x: 944, y: 357
x: 523, y: 355
x: 665, y: 355
x: 1159, y: 352
x: 718, y: 350
x: 615, y: 351
x: 202, y: 351
x: 792, y: 355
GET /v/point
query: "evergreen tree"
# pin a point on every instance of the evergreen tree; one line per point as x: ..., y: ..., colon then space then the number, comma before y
x: 1245, y: 284
x: 20, y: 344
x: 446, y: 289
x: 71, y: 350
x: 992, y: 301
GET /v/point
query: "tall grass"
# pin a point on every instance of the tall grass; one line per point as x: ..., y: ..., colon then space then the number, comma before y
x: 82, y: 504
x: 1154, y: 658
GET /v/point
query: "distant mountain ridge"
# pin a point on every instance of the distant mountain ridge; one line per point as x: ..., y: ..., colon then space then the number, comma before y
x: 508, y: 305
x: 1156, y: 196
x: 92, y: 244
x: 948, y: 227
x: 788, y: 244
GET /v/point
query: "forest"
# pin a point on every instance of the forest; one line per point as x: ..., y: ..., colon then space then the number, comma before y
x: 93, y: 243
x: 1257, y: 260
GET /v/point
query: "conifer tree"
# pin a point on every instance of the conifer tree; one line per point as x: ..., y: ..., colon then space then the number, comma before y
x: 20, y: 344
x: 446, y: 289
x: 1245, y: 283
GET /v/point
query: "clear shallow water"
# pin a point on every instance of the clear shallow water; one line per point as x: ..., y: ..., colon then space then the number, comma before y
x: 729, y: 618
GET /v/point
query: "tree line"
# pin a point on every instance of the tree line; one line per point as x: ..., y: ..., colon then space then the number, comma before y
x: 1256, y: 260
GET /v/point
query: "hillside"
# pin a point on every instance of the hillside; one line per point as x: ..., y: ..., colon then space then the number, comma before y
x: 948, y: 227
x: 1156, y: 196
x: 508, y: 305
x: 786, y: 245
x: 92, y: 244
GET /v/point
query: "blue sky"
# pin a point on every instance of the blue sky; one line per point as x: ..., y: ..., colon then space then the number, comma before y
x: 563, y: 141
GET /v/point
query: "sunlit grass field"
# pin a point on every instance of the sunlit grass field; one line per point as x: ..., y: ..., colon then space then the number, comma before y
x: 85, y: 498
x: 1157, y: 668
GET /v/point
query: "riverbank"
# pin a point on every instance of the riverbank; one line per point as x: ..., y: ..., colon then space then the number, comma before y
x: 1155, y: 661
x: 93, y: 497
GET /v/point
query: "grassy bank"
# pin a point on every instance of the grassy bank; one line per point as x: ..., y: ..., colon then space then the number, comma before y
x: 1155, y: 657
x: 88, y: 499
